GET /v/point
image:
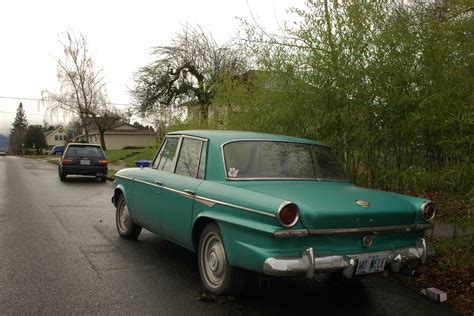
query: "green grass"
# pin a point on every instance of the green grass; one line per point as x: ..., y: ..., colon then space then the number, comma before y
x: 127, y: 157
x: 147, y: 154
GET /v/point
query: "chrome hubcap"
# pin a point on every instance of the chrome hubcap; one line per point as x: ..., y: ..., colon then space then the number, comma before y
x: 124, y: 217
x: 213, y: 260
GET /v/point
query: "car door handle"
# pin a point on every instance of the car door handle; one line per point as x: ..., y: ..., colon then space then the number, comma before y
x: 189, y: 191
x: 158, y: 183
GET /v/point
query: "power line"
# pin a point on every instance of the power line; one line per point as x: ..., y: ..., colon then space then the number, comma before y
x: 33, y: 99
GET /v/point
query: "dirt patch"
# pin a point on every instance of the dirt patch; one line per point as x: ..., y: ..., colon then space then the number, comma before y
x: 458, y: 284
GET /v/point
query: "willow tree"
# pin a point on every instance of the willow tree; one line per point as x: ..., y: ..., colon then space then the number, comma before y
x: 184, y: 73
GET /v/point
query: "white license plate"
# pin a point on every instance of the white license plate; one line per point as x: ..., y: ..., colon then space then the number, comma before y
x: 85, y: 162
x: 371, y: 264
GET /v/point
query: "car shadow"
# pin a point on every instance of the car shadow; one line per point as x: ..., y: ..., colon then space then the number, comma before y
x: 262, y: 295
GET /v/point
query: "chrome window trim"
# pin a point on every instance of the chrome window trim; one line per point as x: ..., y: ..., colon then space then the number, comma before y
x: 275, y: 178
x: 175, y: 155
x: 202, y: 140
x: 158, y: 152
x: 342, y: 231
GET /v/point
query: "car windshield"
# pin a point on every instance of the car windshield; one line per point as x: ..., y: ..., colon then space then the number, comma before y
x: 84, y: 151
x: 281, y: 160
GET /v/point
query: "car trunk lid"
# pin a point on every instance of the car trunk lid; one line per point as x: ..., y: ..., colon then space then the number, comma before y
x: 329, y: 204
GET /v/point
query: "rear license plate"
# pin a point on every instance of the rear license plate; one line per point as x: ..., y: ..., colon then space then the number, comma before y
x: 371, y: 264
x: 85, y: 162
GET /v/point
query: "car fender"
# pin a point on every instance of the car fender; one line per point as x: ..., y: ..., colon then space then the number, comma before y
x: 120, y: 189
x: 245, y: 239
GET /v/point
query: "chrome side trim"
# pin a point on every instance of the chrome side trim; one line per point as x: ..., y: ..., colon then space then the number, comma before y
x: 340, y: 231
x: 182, y: 193
x: 207, y: 201
x: 380, y: 229
x: 124, y: 177
x: 203, y: 199
x: 148, y: 183
x: 291, y: 233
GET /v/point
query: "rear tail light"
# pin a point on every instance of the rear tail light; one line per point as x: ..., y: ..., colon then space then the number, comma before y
x: 428, y: 211
x: 66, y: 161
x: 103, y: 162
x: 288, y: 214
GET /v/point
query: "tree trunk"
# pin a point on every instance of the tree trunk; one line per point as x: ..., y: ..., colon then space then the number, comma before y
x: 102, y: 139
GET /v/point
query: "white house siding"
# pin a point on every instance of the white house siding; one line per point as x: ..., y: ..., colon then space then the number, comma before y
x: 56, y: 137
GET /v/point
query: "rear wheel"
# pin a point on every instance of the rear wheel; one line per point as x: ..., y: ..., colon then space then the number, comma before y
x: 126, y: 227
x: 62, y: 175
x: 217, y: 275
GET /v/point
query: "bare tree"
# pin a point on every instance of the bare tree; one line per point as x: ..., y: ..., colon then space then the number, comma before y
x: 82, y: 86
x: 105, y: 118
x: 185, y: 71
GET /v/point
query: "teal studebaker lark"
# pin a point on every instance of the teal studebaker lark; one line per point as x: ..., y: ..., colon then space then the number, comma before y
x: 273, y: 204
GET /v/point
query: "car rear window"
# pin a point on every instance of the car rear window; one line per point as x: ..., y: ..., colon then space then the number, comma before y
x: 84, y: 151
x: 281, y: 160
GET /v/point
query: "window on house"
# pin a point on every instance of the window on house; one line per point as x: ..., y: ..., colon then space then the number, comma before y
x: 56, y: 137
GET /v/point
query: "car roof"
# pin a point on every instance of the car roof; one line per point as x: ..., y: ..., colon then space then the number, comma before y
x: 221, y: 136
x: 83, y: 144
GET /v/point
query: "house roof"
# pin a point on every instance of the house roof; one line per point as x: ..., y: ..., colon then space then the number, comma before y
x: 221, y: 136
x: 127, y: 129
x: 46, y: 134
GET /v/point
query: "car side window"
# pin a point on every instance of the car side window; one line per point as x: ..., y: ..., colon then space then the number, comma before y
x: 167, y: 155
x: 202, y: 161
x: 188, y: 161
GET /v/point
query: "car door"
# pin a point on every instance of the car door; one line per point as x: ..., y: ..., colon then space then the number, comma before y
x: 148, y: 191
x: 178, y: 197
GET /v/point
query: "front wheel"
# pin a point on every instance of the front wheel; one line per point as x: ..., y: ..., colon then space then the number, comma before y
x: 217, y: 275
x: 126, y: 227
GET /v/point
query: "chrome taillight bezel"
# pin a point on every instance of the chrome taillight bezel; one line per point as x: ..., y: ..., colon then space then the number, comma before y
x: 280, y: 209
x: 423, y: 208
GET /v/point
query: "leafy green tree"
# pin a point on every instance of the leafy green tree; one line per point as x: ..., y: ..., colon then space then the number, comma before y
x: 34, y: 138
x: 388, y: 85
x: 184, y: 72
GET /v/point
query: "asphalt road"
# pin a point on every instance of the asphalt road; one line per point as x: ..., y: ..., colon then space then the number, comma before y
x: 60, y: 253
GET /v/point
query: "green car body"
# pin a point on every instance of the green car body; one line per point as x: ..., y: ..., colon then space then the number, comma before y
x: 337, y: 222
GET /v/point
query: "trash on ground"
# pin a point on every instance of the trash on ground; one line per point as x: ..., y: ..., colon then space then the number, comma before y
x: 435, y: 294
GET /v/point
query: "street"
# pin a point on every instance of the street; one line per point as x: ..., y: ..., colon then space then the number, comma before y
x: 60, y: 253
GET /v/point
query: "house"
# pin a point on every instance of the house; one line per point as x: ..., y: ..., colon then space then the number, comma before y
x: 55, y: 137
x: 123, y: 135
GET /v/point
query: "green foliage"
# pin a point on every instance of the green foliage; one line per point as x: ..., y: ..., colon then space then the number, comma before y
x: 127, y: 157
x: 17, y: 132
x: 34, y: 138
x: 183, y: 73
x: 455, y: 253
x: 20, y: 119
x: 388, y: 86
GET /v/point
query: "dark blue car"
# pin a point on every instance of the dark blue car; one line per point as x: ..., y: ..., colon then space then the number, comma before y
x: 57, y: 150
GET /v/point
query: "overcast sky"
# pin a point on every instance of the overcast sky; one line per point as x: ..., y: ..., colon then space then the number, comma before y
x: 120, y: 35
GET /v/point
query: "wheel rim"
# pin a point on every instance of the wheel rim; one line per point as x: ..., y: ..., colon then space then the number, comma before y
x: 213, y: 260
x: 123, y: 217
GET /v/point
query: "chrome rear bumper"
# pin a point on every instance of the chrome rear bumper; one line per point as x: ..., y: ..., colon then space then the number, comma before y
x: 309, y: 262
